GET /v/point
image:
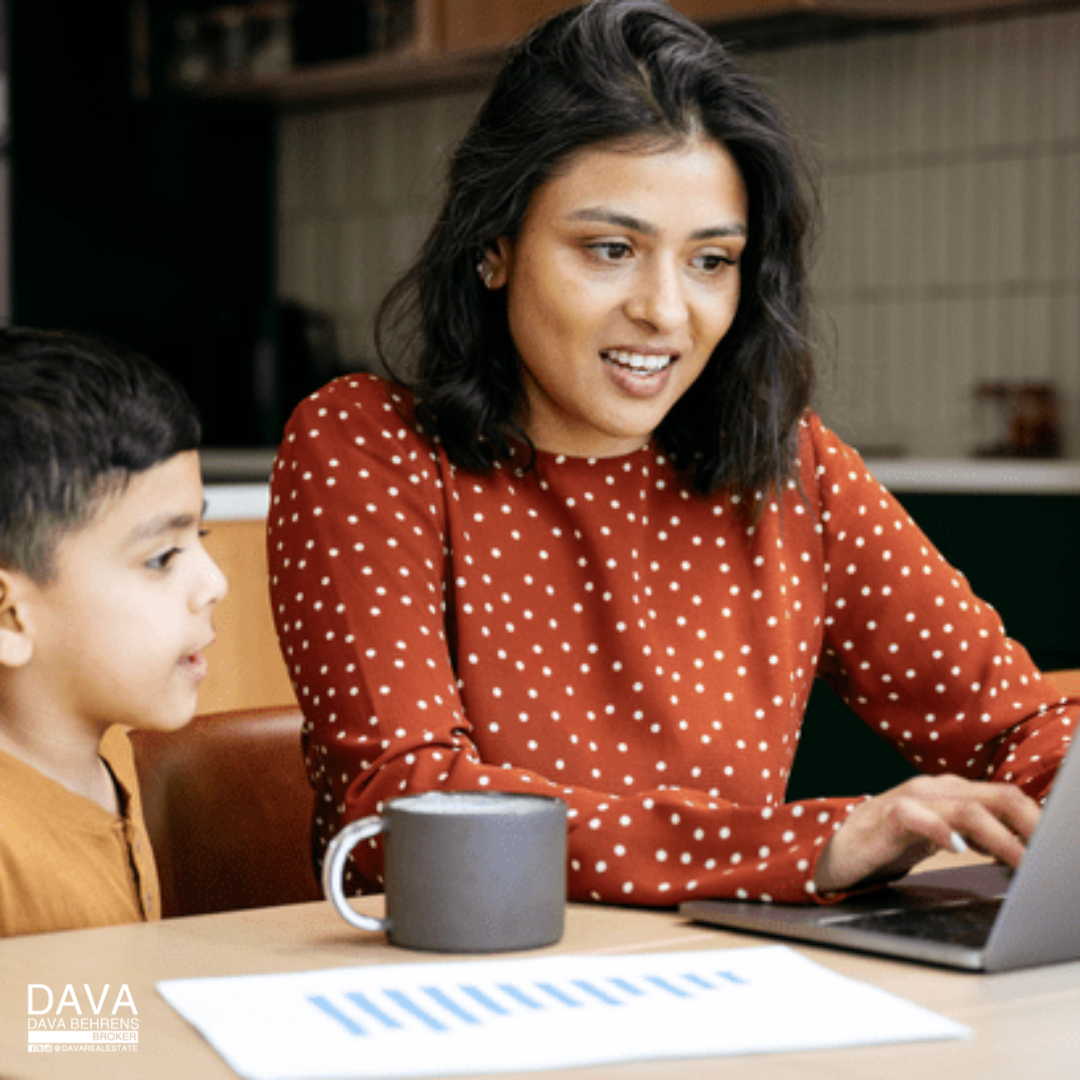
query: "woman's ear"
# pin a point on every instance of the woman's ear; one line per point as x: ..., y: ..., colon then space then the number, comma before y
x: 16, y: 643
x: 495, y: 266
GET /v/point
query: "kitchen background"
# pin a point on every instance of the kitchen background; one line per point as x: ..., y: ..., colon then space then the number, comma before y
x: 176, y: 186
x: 949, y: 166
x: 232, y: 187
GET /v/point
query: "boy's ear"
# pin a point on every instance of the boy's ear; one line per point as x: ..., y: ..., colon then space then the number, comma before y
x: 16, y: 645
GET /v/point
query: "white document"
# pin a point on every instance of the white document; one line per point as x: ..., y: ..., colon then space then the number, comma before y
x: 476, y: 1016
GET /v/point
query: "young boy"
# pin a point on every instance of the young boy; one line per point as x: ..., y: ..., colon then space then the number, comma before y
x: 106, y: 601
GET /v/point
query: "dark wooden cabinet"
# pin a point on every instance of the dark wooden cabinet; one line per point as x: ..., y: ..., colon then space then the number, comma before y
x: 457, y: 44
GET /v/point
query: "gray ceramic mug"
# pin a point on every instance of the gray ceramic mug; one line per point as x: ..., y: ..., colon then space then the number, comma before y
x: 464, y: 871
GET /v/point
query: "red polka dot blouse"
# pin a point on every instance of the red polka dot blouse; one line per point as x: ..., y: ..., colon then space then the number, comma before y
x: 594, y: 629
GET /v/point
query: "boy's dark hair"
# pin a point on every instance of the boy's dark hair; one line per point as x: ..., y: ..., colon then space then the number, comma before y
x: 78, y: 416
x: 622, y: 74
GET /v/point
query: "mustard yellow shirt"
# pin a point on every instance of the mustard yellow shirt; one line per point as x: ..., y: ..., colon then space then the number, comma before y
x: 67, y: 863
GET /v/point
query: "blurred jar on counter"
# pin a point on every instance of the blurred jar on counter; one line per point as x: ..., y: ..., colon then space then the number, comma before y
x: 1028, y: 420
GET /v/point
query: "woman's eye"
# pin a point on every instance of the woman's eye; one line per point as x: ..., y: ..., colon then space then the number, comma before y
x: 611, y: 250
x: 713, y: 262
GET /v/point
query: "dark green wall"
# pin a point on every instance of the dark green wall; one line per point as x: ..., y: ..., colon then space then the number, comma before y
x: 1021, y: 553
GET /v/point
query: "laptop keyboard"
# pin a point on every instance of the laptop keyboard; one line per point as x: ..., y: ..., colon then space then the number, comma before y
x: 963, y: 922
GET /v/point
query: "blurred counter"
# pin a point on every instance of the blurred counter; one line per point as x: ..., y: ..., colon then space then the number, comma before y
x: 237, y: 483
x: 244, y: 467
x: 237, y: 502
x: 974, y: 476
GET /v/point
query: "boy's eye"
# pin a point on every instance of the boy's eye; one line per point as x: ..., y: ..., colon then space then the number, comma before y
x: 162, y: 561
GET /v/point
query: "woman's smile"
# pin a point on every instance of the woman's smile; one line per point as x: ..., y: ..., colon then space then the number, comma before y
x: 636, y: 373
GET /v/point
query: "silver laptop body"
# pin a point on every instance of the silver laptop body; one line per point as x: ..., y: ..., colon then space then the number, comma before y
x: 979, y: 918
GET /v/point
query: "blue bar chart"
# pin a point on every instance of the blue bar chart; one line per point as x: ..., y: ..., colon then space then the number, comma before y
x: 446, y: 1008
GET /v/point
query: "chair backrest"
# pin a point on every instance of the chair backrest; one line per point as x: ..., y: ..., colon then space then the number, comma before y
x: 228, y: 807
x: 1068, y: 682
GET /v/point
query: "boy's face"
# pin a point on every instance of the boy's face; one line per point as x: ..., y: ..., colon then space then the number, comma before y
x: 119, y: 630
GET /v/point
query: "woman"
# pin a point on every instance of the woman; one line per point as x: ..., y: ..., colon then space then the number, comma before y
x: 602, y: 547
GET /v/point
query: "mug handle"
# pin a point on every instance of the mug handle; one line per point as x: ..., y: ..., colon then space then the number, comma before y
x: 334, y: 871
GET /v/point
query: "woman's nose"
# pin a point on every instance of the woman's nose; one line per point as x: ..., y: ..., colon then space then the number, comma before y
x: 659, y: 299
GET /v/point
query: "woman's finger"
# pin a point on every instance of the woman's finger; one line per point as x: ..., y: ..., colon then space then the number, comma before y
x: 890, y: 834
x: 1002, y: 837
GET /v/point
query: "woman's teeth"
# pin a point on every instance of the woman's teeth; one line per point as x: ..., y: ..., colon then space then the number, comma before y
x: 636, y: 362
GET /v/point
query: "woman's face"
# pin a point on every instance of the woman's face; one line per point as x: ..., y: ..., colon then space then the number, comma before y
x: 621, y: 282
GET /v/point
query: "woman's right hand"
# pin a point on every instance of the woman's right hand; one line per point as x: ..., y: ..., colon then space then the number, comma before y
x: 884, y: 837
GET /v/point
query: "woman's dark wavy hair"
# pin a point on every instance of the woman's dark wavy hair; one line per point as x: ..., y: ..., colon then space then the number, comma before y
x: 79, y: 416
x: 634, y: 75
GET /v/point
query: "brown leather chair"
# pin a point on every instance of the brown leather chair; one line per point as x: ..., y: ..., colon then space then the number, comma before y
x: 1068, y: 682
x: 228, y: 807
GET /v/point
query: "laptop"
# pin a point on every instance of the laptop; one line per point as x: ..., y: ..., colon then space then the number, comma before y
x: 977, y: 918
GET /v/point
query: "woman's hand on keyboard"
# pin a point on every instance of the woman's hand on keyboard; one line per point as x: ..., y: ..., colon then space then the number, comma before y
x: 884, y: 837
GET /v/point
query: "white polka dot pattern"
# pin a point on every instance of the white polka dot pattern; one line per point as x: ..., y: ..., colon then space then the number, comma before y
x: 593, y: 629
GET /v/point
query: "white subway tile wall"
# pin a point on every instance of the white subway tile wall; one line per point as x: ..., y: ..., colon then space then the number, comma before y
x: 357, y: 191
x: 948, y: 162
